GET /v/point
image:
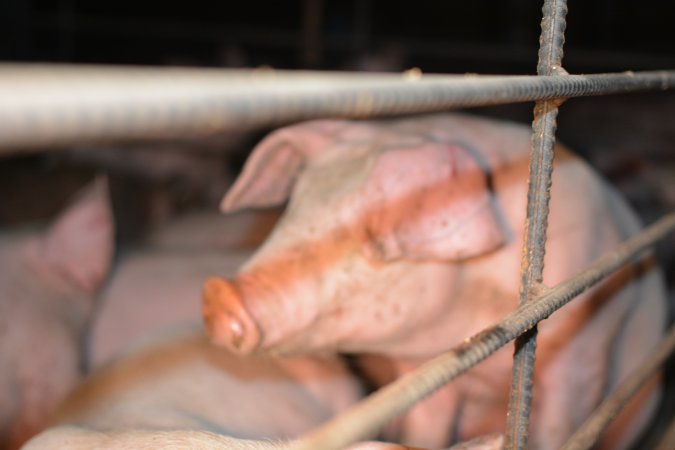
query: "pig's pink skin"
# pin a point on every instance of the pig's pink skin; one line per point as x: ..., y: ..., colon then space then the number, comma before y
x: 78, y: 438
x: 184, y: 393
x: 154, y: 287
x: 395, y: 242
x: 152, y: 290
x: 47, y: 284
x: 176, y: 390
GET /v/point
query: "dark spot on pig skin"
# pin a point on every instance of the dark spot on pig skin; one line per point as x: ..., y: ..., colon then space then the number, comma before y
x: 337, y: 313
x: 396, y: 309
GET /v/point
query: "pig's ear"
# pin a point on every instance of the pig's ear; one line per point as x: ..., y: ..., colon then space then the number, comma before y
x: 435, y: 204
x: 271, y: 170
x: 79, y: 244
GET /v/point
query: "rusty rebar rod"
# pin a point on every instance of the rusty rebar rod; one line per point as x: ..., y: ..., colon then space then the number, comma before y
x: 51, y: 105
x: 534, y: 241
x: 590, y: 431
x: 368, y: 416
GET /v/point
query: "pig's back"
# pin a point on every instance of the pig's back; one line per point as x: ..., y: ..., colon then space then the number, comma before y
x: 153, y: 290
x: 187, y: 384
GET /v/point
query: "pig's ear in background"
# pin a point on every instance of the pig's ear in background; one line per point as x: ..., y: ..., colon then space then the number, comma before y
x: 272, y: 167
x: 79, y: 243
x: 438, y: 205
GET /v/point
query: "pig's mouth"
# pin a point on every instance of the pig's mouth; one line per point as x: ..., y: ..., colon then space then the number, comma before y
x: 227, y: 321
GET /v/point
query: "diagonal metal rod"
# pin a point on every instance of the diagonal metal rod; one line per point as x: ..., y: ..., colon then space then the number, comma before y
x: 534, y: 242
x: 590, y: 431
x: 51, y: 105
x: 366, y: 417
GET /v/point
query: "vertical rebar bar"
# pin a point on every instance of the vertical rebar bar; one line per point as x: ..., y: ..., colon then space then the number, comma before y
x: 541, y: 168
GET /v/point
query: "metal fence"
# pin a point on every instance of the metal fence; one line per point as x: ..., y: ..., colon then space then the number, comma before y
x: 51, y: 106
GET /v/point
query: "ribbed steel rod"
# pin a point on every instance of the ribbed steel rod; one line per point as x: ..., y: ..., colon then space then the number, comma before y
x: 590, y: 431
x: 49, y: 105
x: 368, y: 416
x: 534, y: 241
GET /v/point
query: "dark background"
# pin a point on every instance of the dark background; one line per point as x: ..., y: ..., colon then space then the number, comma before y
x: 437, y: 36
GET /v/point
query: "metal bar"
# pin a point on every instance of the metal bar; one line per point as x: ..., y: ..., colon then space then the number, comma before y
x: 534, y: 241
x: 44, y: 105
x: 590, y: 431
x: 366, y: 417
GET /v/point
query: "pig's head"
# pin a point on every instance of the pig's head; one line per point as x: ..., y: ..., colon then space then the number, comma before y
x: 47, y: 282
x: 374, y: 212
x: 72, y: 257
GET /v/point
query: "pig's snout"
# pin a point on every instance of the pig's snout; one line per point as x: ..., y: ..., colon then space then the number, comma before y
x: 227, y: 321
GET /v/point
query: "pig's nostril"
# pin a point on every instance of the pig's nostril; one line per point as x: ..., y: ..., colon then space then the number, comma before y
x: 237, y: 330
x: 227, y: 321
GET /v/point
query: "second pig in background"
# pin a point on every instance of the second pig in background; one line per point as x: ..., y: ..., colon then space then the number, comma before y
x: 48, y: 285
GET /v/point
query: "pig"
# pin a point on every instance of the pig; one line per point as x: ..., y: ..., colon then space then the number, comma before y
x: 182, y: 392
x: 182, y: 382
x: 155, y: 387
x: 402, y: 238
x: 48, y: 283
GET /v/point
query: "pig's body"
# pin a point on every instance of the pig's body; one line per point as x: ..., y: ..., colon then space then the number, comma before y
x: 403, y: 238
x: 157, y: 286
x: 185, y: 393
x: 47, y: 287
x: 151, y: 290
x: 187, y: 384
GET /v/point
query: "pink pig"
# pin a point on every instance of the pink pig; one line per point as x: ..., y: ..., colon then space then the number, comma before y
x: 403, y: 238
x: 47, y: 287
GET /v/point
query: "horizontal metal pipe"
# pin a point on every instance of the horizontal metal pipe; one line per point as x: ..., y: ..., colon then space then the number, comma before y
x: 55, y: 105
x: 368, y: 416
x: 587, y: 435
